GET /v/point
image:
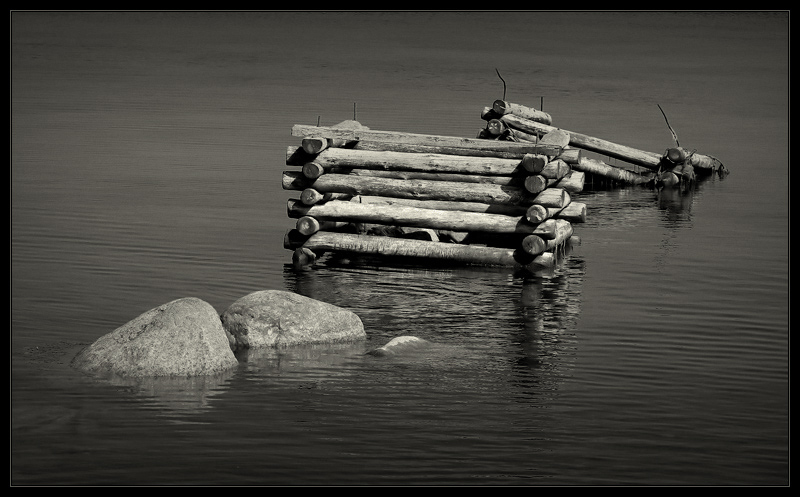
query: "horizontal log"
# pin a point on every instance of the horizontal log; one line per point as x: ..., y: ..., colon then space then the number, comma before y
x: 600, y: 168
x: 573, y: 182
x: 555, y: 169
x: 642, y: 158
x: 398, y: 215
x: 507, y: 210
x: 396, y: 247
x: 414, y: 189
x: 310, y: 196
x: 553, y: 197
x: 307, y: 225
x: 301, y: 130
x: 422, y: 162
x: 574, y: 212
x: 504, y: 107
x: 535, y: 244
x: 510, y: 153
x: 409, y: 175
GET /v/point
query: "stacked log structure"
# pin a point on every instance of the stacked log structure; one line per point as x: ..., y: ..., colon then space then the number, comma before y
x: 677, y: 166
x: 466, y: 200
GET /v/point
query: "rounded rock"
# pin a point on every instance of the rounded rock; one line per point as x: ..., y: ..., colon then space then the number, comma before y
x: 180, y: 338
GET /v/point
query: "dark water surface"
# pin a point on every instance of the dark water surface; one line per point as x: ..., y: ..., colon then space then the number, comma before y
x: 146, y: 153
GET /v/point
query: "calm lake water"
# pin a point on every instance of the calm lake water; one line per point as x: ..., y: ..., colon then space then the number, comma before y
x: 146, y: 156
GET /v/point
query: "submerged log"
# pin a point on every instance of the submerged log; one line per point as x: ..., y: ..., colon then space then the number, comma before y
x: 396, y: 247
x: 642, y: 158
x: 414, y: 189
x: 397, y: 215
x: 503, y: 108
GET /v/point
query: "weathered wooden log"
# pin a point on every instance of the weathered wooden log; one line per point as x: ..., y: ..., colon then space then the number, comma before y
x: 442, y: 149
x: 556, y: 137
x: 398, y: 137
x: 534, y: 163
x: 409, y: 175
x: 396, y: 215
x: 293, y: 239
x: 307, y: 225
x: 553, y: 197
x: 313, y: 170
x: 310, y: 196
x: 642, y: 158
x: 423, y: 162
x: 535, y: 244
x: 415, y: 189
x: 507, y: 210
x: 574, y: 212
x: 535, y: 183
x: 396, y: 247
x: 573, y: 182
x: 600, y: 168
x: 555, y: 169
x: 504, y: 107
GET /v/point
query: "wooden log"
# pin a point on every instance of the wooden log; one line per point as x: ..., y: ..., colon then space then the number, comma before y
x: 398, y: 137
x: 642, y: 158
x: 534, y: 163
x: 574, y: 212
x: 510, y: 153
x: 307, y: 225
x: 310, y: 196
x: 556, y: 137
x: 535, y: 244
x: 535, y: 183
x: 313, y: 170
x: 409, y: 175
x: 314, y: 145
x: 600, y: 168
x: 396, y: 247
x: 397, y: 215
x: 547, y: 229
x: 504, y: 107
x: 553, y: 197
x: 507, y: 210
x: 413, y: 189
x: 573, y: 182
x: 293, y: 239
x: 555, y: 169
x: 422, y: 162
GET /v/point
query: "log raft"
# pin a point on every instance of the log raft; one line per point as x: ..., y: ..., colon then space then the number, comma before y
x: 394, y: 194
x: 505, y: 197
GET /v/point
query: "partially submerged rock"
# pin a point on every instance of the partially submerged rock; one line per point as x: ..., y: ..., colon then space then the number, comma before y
x: 274, y: 318
x: 400, y: 345
x: 180, y: 338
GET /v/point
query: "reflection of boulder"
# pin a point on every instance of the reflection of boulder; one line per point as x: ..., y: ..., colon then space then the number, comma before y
x: 178, y: 394
x: 274, y: 318
x: 181, y: 338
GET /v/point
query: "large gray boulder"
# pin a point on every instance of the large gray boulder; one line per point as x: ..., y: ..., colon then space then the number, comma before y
x: 275, y: 318
x: 180, y: 338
